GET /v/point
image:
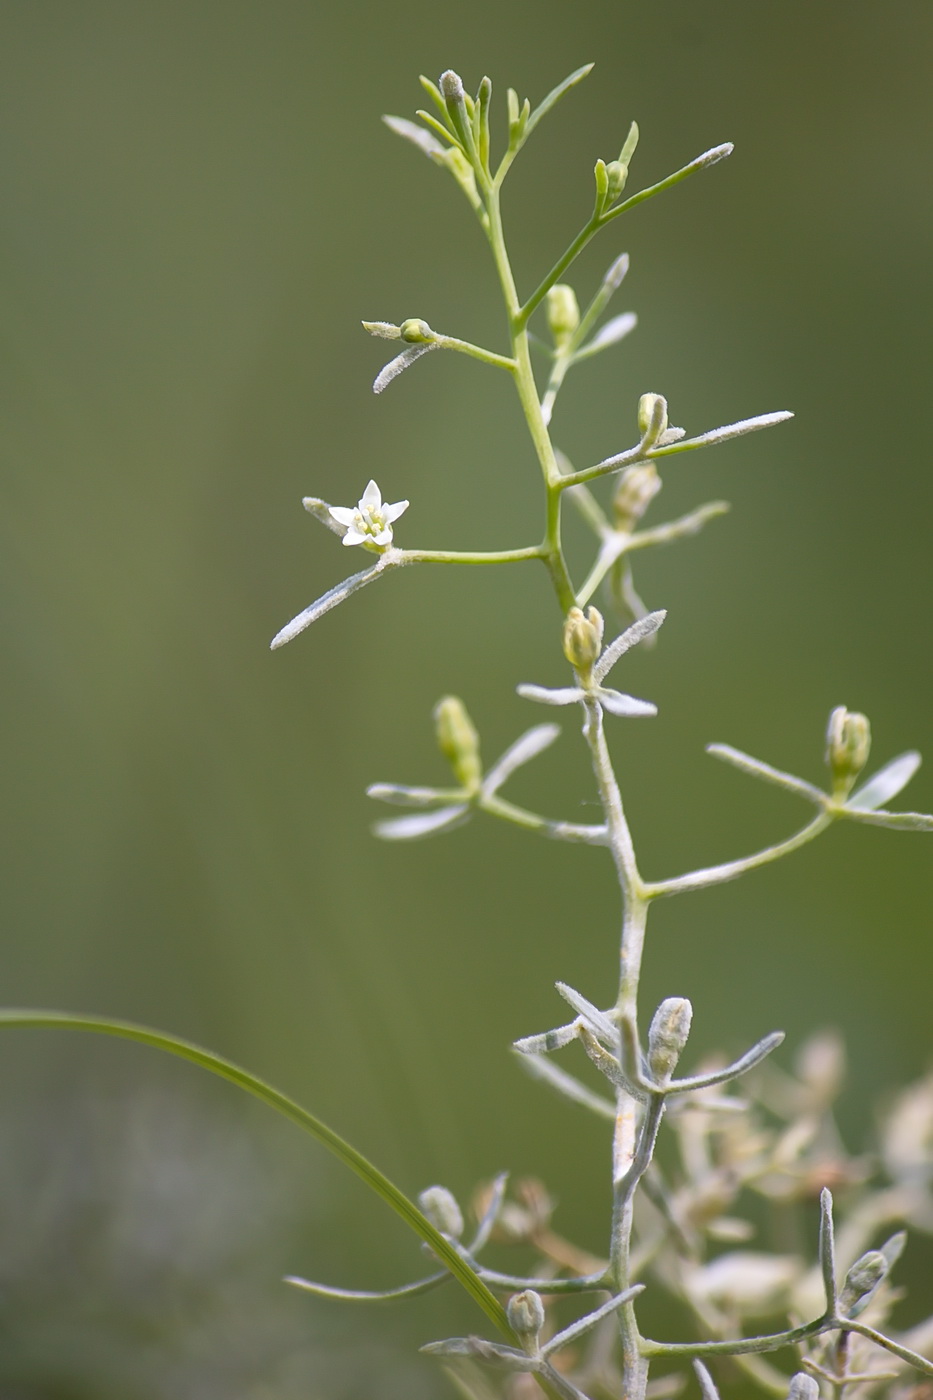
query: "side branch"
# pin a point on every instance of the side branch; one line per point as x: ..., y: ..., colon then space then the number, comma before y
x: 731, y: 870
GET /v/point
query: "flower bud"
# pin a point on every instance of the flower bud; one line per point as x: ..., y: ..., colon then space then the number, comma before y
x: 861, y: 1281
x: 563, y: 313
x: 667, y: 1036
x: 458, y: 740
x: 618, y: 174
x: 803, y: 1387
x: 440, y: 1206
x: 526, y: 1313
x: 652, y: 417
x: 451, y: 86
x: 583, y: 638
x: 848, y: 743
x: 416, y: 332
x: 637, y: 488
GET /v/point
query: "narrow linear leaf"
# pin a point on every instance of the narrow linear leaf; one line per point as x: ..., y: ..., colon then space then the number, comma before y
x: 827, y: 1249
x: 644, y: 627
x: 525, y: 748
x: 625, y: 706
x: 741, y: 1066
x: 707, y: 1386
x: 598, y: 1021
x: 757, y: 769
x: 731, y: 430
x: 321, y: 512
x: 544, y: 1069
x: 400, y: 796
x: 226, y: 1069
x: 328, y: 600
x: 422, y: 823
x: 490, y: 1214
x: 417, y: 135
x: 586, y: 1324
x: 546, y: 1041
x: 609, y: 334
x: 567, y: 695
x: 897, y: 821
x: 351, y: 1295
x: 401, y: 362
x: 886, y: 783
x: 555, y: 95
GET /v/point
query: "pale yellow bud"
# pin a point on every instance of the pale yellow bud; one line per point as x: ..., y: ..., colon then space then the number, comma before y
x: 848, y: 743
x: 618, y: 174
x: 563, y: 312
x: 667, y: 1036
x: 583, y: 638
x: 652, y: 416
x: 440, y: 1206
x: 526, y: 1313
x: 458, y: 740
x: 416, y: 332
x: 637, y: 488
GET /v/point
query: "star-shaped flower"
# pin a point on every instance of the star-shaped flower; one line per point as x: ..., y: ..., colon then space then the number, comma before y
x: 370, y: 523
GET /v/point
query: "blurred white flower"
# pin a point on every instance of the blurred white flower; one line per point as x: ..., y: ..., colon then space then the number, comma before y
x: 372, y: 519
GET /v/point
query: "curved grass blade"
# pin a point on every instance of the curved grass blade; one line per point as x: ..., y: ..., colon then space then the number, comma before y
x: 226, y: 1069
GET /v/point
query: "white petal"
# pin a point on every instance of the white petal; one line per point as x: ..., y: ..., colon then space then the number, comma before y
x: 422, y: 824
x: 344, y: 515
x: 384, y: 537
x: 644, y: 627
x: 625, y: 705
x: 354, y: 537
x: 570, y: 695
x: 531, y: 743
x: 372, y: 496
x: 886, y: 783
x: 392, y: 513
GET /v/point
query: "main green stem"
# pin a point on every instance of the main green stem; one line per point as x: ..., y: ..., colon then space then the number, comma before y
x: 553, y: 553
x: 633, y: 1144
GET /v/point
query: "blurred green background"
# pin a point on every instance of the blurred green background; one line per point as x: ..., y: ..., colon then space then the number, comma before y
x: 200, y: 204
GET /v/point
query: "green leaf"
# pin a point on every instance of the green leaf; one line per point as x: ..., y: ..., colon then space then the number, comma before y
x: 554, y: 97
x: 225, y: 1069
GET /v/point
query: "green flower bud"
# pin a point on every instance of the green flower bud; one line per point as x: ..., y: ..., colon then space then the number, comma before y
x: 440, y: 1206
x: 563, y: 313
x: 583, y: 638
x: 526, y: 1313
x: 601, y: 176
x: 618, y: 174
x: 848, y: 743
x: 416, y: 332
x: 458, y: 740
x: 861, y: 1281
x: 652, y: 417
x: 667, y: 1036
x: 637, y: 488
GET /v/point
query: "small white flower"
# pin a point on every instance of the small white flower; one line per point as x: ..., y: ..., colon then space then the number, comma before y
x: 371, y: 522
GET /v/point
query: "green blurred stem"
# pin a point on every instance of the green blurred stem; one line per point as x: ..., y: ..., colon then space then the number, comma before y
x: 453, y: 556
x: 531, y: 821
x: 477, y: 352
x: 528, y: 397
x: 341, y: 1149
